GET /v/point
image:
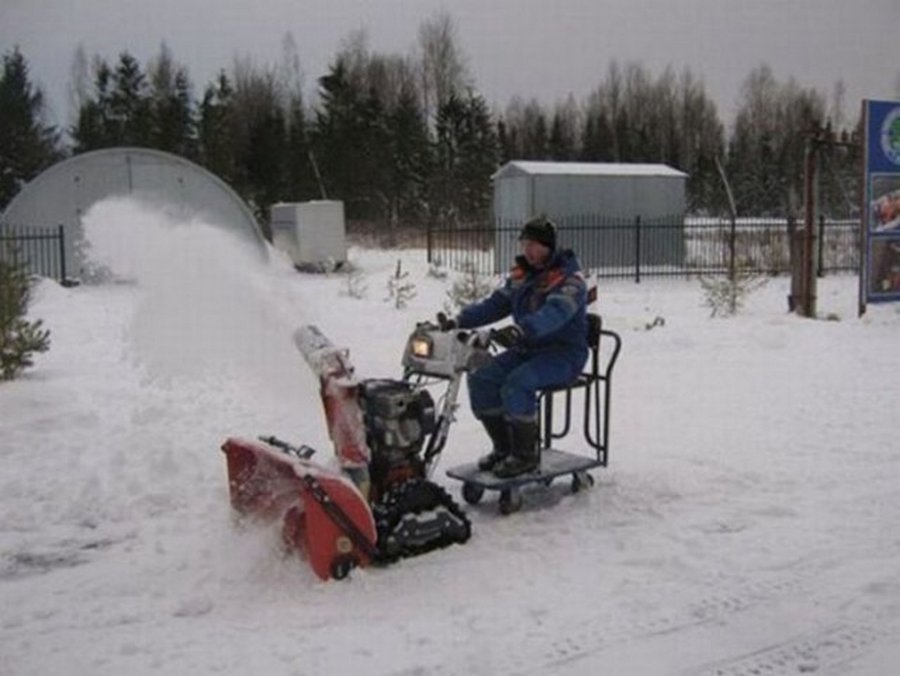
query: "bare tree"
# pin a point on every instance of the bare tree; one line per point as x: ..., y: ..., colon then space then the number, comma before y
x: 565, y: 130
x: 444, y: 71
x: 836, y: 111
x: 607, y: 101
x: 79, y: 89
x: 767, y: 143
x: 290, y: 71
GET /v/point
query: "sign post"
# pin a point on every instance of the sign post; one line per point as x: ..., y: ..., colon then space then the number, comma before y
x: 879, y: 279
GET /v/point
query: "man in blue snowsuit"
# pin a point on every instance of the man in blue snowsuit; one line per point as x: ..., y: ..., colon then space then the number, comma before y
x: 546, y: 295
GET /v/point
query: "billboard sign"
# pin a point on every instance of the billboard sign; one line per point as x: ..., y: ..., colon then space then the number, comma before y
x: 880, y: 278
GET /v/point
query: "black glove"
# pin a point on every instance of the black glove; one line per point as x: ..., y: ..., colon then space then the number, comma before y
x: 445, y: 323
x: 507, y: 336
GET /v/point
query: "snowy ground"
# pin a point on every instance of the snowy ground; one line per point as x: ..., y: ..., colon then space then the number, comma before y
x: 748, y: 523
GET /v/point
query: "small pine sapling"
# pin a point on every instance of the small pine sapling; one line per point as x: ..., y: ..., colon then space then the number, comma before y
x: 437, y: 270
x: 19, y: 338
x: 725, y: 296
x: 400, y: 288
x: 356, y: 285
x: 467, y: 289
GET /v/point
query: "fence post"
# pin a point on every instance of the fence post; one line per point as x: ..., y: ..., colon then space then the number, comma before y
x: 62, y: 254
x: 820, y: 262
x: 732, y: 248
x: 637, y: 249
x: 428, y: 240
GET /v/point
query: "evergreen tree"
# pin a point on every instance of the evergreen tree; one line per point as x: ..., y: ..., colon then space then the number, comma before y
x: 506, y: 142
x: 597, y: 138
x: 525, y: 126
x: 129, y: 104
x: 301, y: 164
x: 263, y: 161
x: 19, y: 338
x: 119, y: 113
x: 351, y: 142
x: 535, y: 136
x: 699, y: 139
x: 562, y: 144
x: 27, y: 144
x: 94, y: 125
x: 334, y: 132
x: 466, y: 156
x: 409, y: 161
x: 258, y: 135
x: 216, y: 149
x: 171, y: 107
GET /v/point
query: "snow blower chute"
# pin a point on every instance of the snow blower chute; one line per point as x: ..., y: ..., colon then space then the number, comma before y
x: 379, y: 505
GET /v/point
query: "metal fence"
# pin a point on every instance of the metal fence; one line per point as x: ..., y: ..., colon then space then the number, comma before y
x: 654, y: 248
x: 40, y: 251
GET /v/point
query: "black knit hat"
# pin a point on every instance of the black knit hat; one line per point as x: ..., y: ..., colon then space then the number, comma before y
x: 540, y: 229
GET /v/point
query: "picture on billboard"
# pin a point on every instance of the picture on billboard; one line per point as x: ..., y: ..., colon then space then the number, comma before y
x: 885, y: 203
x: 880, y: 276
x: 884, y: 267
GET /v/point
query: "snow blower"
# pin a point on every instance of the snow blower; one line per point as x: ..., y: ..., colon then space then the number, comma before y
x: 380, y: 505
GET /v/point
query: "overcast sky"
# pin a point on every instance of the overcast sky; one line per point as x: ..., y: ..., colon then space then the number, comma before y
x: 530, y: 48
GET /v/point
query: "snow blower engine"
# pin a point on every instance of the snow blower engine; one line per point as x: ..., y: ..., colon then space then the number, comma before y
x: 379, y: 506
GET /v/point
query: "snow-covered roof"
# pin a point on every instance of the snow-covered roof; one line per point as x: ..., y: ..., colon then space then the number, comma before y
x: 587, y: 169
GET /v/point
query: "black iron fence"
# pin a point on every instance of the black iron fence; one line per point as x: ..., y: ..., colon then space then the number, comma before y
x: 40, y: 251
x: 639, y: 248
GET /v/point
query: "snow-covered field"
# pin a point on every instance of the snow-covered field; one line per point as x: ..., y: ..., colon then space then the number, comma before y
x: 748, y: 523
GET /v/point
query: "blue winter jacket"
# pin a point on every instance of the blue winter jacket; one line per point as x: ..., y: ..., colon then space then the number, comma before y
x: 547, y: 304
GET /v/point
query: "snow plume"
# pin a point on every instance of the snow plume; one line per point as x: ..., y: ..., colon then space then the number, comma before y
x: 210, y: 306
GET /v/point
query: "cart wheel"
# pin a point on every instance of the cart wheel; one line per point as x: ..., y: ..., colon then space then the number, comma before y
x: 510, y: 501
x: 341, y: 567
x: 472, y: 493
x: 581, y: 481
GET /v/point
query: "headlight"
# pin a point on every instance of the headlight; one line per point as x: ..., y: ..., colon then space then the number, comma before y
x: 421, y: 347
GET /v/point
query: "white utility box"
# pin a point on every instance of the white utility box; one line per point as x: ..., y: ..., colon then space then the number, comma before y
x: 311, y: 233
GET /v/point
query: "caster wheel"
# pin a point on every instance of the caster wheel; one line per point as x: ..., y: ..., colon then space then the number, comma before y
x: 472, y: 493
x: 581, y: 481
x: 510, y: 501
x: 341, y: 567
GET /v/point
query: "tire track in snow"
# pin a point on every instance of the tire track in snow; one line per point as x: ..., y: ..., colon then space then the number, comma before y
x: 803, y: 654
x: 610, y: 629
x: 810, y: 652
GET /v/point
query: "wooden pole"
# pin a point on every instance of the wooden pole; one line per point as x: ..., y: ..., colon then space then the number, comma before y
x: 807, y: 286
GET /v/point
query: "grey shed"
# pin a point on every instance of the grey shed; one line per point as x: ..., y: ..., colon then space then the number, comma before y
x: 596, y: 205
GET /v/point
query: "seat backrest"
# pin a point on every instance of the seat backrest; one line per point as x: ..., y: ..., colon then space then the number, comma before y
x: 595, y: 324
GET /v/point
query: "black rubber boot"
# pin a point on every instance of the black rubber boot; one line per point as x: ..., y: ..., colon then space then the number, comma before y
x: 498, y: 431
x: 525, y: 456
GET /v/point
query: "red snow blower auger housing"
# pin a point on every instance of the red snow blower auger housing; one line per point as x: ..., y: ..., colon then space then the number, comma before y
x: 323, y: 514
x: 378, y: 505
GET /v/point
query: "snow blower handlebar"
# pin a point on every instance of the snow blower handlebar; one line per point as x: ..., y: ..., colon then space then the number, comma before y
x: 303, y: 452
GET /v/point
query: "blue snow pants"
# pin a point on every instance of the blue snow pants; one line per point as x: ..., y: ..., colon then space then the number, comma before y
x: 508, y: 385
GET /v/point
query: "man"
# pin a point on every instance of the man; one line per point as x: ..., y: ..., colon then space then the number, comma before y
x: 546, y: 346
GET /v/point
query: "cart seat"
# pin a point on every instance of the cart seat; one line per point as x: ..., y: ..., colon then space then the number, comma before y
x: 595, y: 382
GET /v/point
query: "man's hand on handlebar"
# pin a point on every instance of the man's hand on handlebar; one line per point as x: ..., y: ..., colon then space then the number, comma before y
x: 445, y: 323
x: 507, y: 336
